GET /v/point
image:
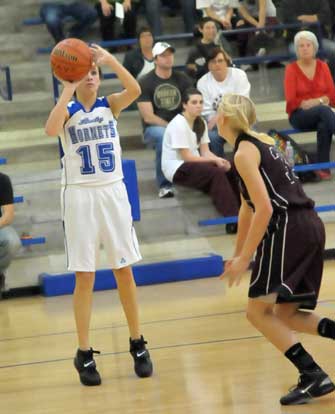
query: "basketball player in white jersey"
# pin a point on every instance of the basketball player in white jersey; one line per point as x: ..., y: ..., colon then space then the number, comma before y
x: 95, y: 206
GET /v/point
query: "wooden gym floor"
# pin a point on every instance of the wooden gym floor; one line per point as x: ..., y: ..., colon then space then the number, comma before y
x: 207, y: 358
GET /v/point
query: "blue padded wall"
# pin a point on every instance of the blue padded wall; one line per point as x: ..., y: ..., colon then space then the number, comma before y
x: 145, y: 274
x: 130, y: 179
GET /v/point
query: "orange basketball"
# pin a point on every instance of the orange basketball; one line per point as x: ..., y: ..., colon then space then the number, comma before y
x: 71, y: 59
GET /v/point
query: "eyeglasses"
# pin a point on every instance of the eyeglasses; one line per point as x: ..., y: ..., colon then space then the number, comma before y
x: 219, y: 61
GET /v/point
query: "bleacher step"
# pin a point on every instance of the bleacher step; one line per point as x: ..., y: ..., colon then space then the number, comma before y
x: 20, y: 272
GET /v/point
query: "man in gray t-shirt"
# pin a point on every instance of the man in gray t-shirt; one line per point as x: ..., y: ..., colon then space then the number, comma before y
x: 159, y: 102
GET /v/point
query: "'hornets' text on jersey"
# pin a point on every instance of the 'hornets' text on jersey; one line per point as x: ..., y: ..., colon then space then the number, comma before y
x: 91, y: 145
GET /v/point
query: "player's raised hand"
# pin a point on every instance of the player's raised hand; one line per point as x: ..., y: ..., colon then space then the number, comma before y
x: 72, y: 85
x: 100, y: 55
x: 67, y: 84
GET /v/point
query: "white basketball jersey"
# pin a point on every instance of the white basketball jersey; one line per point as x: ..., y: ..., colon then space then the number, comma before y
x: 91, y: 145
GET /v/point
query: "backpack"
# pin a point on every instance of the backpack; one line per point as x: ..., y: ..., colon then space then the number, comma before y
x: 300, y: 155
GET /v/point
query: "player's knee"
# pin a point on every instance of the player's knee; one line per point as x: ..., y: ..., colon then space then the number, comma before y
x: 124, y: 276
x: 84, y: 280
x: 257, y: 311
x: 252, y: 315
x: 283, y: 313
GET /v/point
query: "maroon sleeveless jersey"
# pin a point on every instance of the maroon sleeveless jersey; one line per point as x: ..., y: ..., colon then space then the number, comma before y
x: 288, y: 260
x: 283, y: 186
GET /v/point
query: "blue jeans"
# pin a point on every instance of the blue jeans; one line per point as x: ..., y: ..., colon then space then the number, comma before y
x: 9, y: 244
x: 322, y: 119
x: 189, y: 14
x: 53, y: 15
x: 153, y: 135
x: 216, y: 144
x: 153, y: 14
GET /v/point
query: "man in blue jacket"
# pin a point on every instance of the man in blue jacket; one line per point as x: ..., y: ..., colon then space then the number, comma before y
x: 9, y: 240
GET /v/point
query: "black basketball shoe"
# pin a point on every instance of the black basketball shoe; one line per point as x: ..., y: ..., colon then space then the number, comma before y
x: 231, y: 228
x: 141, y: 356
x: 85, y: 365
x: 311, y: 384
x: 2, y: 284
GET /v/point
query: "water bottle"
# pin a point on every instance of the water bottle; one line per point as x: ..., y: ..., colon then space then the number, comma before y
x: 289, y: 153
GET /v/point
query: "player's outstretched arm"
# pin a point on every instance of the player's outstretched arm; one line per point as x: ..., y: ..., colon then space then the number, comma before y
x: 132, y: 90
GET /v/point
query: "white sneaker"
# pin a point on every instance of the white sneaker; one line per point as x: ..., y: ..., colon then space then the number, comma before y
x: 261, y: 52
x: 246, y: 68
x: 166, y: 192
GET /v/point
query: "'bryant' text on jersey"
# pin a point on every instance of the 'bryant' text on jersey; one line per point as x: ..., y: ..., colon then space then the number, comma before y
x: 91, y: 133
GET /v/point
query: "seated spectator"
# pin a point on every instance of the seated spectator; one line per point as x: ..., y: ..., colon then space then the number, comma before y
x: 295, y: 11
x: 159, y: 102
x: 9, y: 240
x: 108, y: 19
x: 106, y: 12
x: 310, y: 93
x: 255, y: 13
x: 196, y: 62
x: 187, y: 160
x: 332, y: 14
x: 140, y: 61
x: 223, y: 13
x: 53, y: 15
x: 220, y: 80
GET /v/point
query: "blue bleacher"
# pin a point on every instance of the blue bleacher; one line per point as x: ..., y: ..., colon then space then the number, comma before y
x: 32, y: 21
x: 144, y: 274
x: 297, y: 168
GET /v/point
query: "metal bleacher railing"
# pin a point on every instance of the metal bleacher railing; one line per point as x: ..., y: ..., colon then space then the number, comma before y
x: 5, y: 92
x: 185, y: 36
x: 297, y: 168
x: 182, y: 36
x: 27, y: 239
x: 5, y: 86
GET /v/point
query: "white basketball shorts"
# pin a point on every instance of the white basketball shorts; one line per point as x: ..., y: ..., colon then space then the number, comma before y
x: 95, y: 215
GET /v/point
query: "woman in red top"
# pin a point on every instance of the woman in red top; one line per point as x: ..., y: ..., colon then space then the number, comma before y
x: 310, y: 94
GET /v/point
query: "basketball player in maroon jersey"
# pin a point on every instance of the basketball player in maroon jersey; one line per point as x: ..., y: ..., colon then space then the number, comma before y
x: 277, y: 221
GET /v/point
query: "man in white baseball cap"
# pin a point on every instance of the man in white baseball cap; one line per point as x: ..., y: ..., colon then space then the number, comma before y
x: 161, y: 47
x: 159, y: 102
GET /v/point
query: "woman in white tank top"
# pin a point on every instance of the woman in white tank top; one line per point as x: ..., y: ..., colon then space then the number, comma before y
x: 95, y: 205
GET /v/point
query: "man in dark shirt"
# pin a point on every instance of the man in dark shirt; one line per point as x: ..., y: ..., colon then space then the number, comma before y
x: 140, y: 61
x: 159, y: 102
x: 9, y: 240
x: 295, y: 11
